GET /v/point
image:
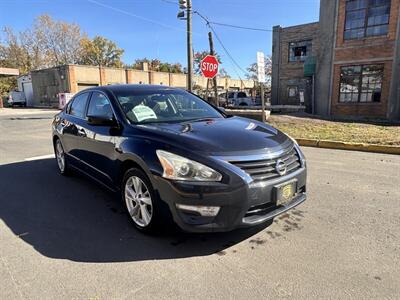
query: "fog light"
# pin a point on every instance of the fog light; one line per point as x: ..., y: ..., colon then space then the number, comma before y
x: 205, y: 211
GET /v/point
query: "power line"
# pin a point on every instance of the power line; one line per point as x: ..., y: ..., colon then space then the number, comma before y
x: 170, y: 2
x: 225, y: 24
x: 241, y: 27
x: 223, y: 46
x: 137, y: 16
x: 226, y: 51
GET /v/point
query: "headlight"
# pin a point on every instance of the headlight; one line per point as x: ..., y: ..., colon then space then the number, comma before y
x: 179, y: 168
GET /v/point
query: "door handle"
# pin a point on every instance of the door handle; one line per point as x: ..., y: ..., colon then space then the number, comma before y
x: 82, y: 132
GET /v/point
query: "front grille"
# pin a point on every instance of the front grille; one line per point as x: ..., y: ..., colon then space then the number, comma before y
x: 264, y: 169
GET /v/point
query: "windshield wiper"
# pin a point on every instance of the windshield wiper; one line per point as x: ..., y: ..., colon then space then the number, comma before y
x: 199, y: 120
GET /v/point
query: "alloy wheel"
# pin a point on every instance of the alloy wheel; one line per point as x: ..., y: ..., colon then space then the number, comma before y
x: 138, y: 201
x: 60, y: 156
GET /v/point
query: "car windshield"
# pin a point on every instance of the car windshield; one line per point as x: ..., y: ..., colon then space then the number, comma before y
x: 163, y: 106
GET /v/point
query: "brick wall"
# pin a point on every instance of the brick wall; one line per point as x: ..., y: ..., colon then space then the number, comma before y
x: 368, y: 50
x: 340, y: 41
x: 291, y: 74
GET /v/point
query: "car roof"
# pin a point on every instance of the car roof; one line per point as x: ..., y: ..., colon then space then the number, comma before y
x: 129, y: 87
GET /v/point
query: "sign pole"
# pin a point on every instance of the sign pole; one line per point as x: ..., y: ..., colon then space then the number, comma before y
x: 261, y: 80
x: 209, y: 69
x: 262, y: 102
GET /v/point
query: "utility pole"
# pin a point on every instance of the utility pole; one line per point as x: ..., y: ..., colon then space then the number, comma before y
x: 210, y: 39
x: 186, y: 5
x: 189, y: 45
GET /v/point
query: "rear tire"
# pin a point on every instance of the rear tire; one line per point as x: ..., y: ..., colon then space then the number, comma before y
x: 141, y: 202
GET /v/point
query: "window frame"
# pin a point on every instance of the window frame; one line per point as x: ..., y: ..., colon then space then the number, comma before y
x: 309, y: 42
x: 360, y: 84
x: 366, y: 17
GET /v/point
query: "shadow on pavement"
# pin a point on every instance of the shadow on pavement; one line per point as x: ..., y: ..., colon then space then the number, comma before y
x: 73, y: 218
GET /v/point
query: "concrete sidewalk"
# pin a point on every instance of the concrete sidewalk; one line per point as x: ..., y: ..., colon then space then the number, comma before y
x: 7, y: 111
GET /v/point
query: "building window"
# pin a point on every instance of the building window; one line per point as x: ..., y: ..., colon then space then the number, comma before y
x: 365, y: 18
x: 361, y: 83
x: 292, y: 91
x: 298, y: 51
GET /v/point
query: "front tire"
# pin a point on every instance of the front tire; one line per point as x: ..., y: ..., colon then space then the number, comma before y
x: 141, y: 201
x: 62, y: 163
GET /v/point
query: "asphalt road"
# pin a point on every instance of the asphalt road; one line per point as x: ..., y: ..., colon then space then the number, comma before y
x: 65, y: 237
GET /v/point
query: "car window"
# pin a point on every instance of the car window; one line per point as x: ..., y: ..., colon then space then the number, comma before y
x: 242, y: 95
x: 99, y: 106
x: 78, y: 105
x: 230, y: 95
x: 165, y: 105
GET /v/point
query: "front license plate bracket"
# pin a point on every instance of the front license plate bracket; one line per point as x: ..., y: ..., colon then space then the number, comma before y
x: 285, y: 192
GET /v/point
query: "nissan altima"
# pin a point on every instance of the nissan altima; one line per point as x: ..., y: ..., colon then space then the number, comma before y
x: 172, y: 155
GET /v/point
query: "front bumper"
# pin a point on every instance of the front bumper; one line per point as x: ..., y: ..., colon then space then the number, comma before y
x: 242, y: 203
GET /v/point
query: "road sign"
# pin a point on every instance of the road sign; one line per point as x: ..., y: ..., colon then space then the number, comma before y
x: 209, y: 66
x: 261, y: 67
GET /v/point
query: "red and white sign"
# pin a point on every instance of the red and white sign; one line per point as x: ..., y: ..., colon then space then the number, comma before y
x: 209, y: 66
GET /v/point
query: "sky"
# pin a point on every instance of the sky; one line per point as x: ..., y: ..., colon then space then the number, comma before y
x: 150, y: 28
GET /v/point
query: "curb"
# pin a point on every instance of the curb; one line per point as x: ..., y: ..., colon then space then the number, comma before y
x: 349, y: 146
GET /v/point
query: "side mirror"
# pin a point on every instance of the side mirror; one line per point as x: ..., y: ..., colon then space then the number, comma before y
x: 102, y: 121
x: 222, y: 109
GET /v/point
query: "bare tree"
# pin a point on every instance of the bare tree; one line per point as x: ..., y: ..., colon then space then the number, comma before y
x: 59, y: 40
x: 253, y: 71
x: 223, y: 73
x: 48, y: 43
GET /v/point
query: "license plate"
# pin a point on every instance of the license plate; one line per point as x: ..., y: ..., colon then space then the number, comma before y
x: 285, y: 192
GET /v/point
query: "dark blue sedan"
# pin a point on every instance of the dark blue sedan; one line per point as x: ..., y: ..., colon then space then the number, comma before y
x: 170, y: 154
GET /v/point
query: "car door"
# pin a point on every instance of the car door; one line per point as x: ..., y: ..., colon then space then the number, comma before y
x: 73, y: 127
x: 98, y: 145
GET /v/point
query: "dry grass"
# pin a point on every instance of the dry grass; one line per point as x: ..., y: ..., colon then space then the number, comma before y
x: 311, y: 128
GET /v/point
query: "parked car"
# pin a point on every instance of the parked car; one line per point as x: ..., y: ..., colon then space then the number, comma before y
x: 16, y: 98
x: 237, y: 99
x: 170, y: 154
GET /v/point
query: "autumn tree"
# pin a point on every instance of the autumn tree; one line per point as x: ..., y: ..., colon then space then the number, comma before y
x: 47, y: 44
x: 58, y: 41
x: 157, y: 65
x: 100, y: 51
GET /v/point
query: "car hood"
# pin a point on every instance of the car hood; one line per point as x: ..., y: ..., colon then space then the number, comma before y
x: 224, y: 136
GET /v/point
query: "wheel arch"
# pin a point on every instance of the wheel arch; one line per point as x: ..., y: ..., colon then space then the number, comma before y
x: 130, y: 161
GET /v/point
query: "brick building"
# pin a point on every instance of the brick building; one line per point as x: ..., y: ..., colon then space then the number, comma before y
x: 291, y: 47
x: 48, y: 83
x: 356, y: 46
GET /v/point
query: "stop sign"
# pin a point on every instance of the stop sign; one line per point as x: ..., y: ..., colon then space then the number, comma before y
x: 209, y: 66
